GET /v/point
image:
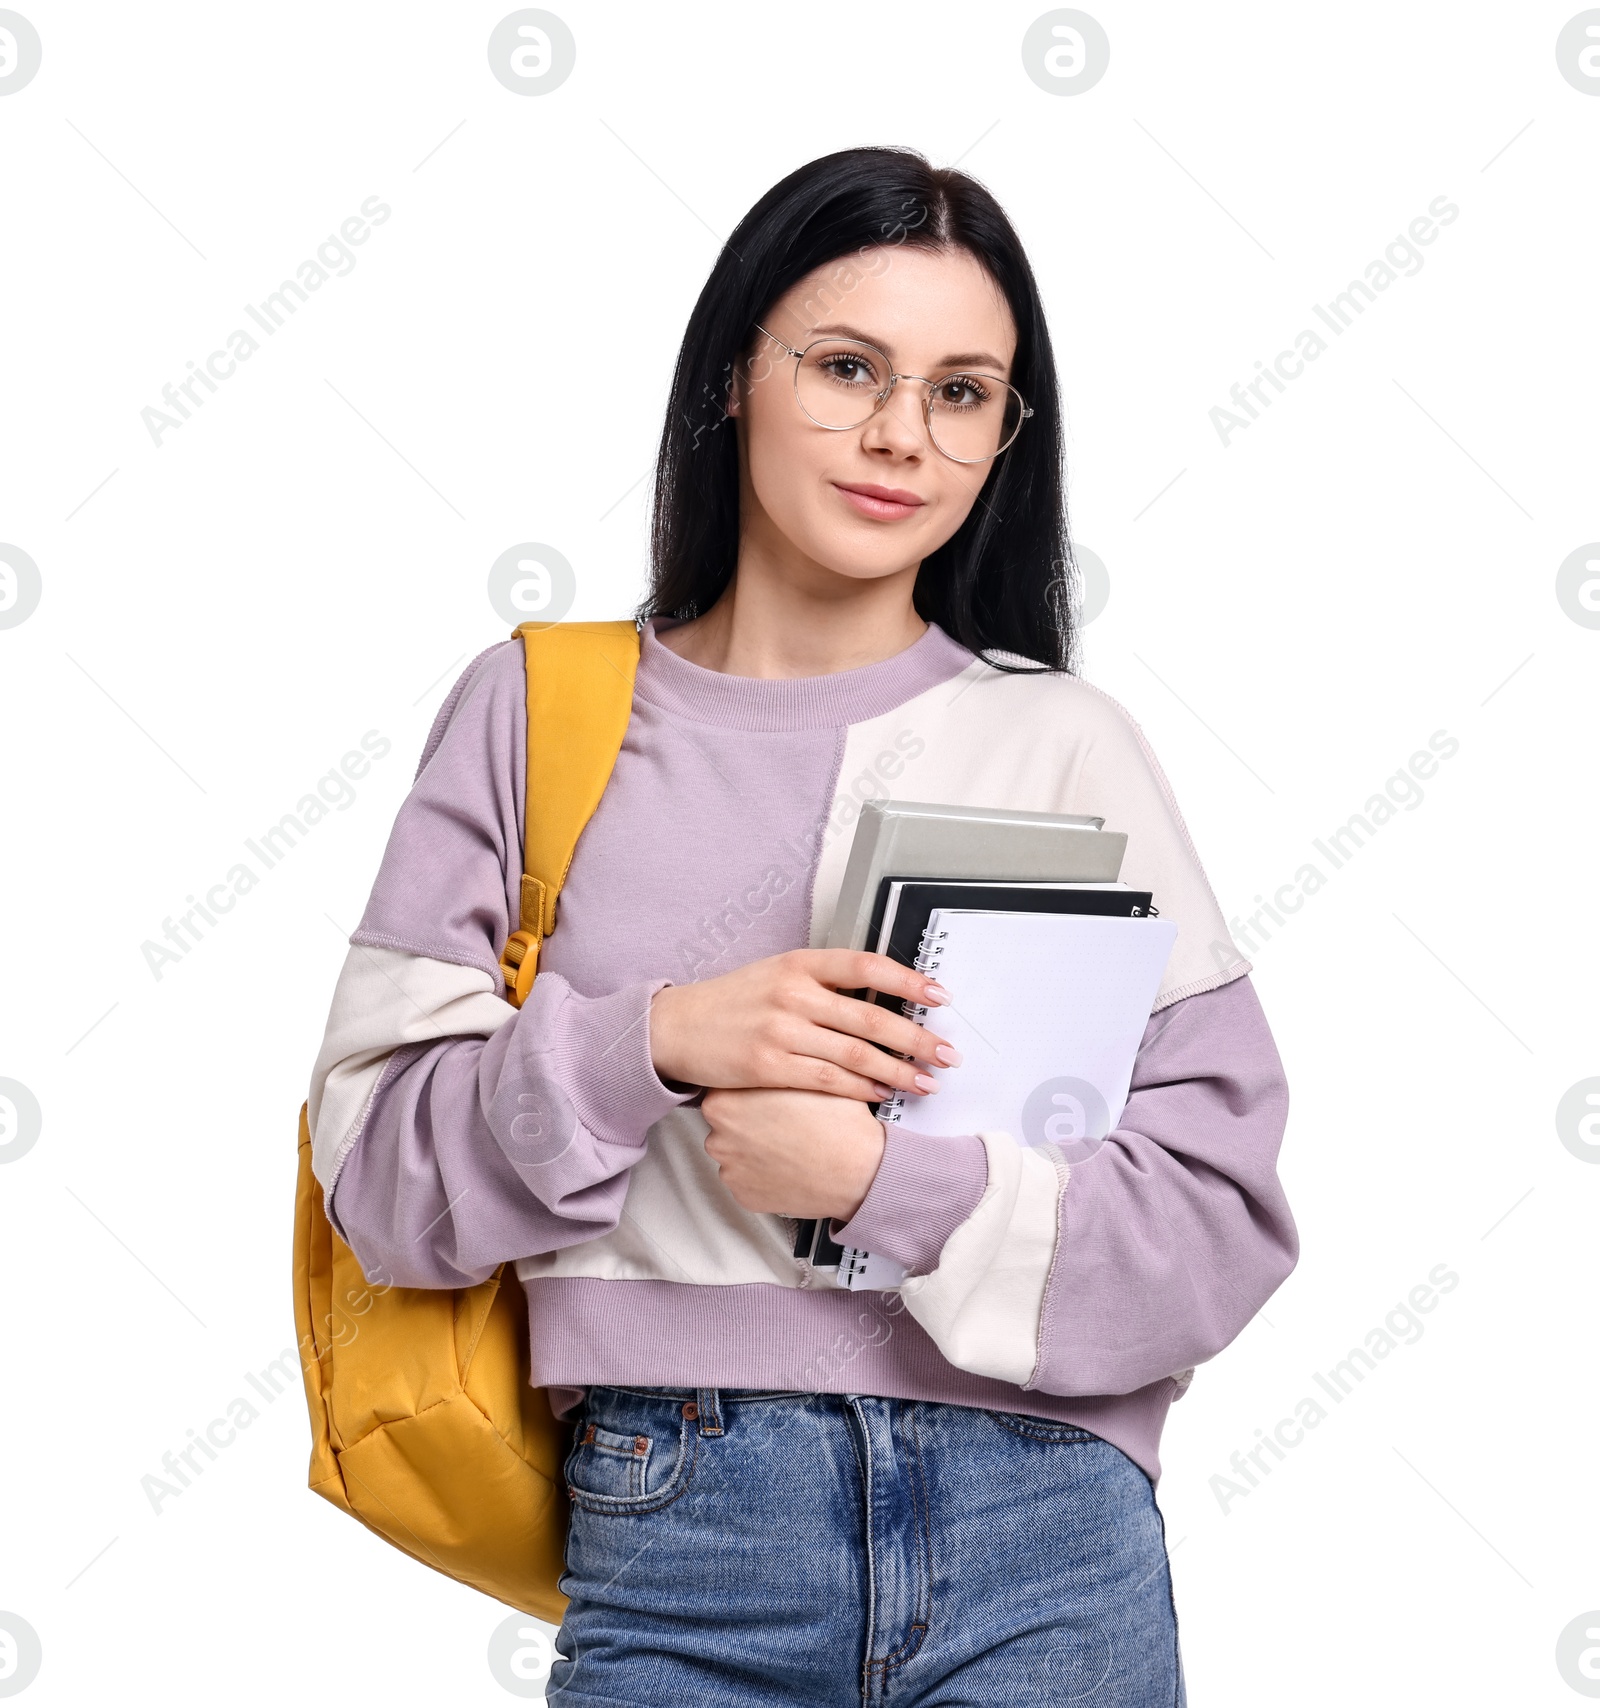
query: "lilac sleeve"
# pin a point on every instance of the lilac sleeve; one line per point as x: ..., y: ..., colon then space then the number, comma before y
x: 514, y: 1136
x: 475, y: 1151
x: 1176, y: 1231
x: 925, y: 1188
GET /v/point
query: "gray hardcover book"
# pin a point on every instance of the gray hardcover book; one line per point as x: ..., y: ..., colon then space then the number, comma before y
x: 916, y: 839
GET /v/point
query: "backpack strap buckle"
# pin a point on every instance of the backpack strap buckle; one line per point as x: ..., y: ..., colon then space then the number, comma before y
x: 519, y: 960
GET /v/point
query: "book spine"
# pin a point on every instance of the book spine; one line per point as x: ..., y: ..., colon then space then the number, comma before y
x: 930, y: 954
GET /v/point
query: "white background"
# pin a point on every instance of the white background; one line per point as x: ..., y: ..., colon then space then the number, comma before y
x: 305, y: 560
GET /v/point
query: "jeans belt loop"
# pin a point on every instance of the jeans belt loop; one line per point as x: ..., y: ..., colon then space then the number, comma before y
x: 708, y: 1406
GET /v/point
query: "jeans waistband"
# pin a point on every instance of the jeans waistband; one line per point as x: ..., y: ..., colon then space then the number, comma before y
x: 706, y: 1403
x: 733, y: 1394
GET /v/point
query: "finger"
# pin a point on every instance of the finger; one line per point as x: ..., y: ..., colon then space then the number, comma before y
x: 846, y: 1052
x: 867, y: 1021
x: 851, y: 1067
x: 859, y: 969
x: 883, y: 1027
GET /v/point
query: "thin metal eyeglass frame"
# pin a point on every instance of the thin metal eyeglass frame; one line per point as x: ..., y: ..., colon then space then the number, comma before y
x: 888, y: 390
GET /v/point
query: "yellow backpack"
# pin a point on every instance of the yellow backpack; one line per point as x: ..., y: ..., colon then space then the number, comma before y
x: 423, y: 1422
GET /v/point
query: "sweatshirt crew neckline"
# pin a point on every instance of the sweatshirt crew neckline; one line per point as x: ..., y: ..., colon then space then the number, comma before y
x: 769, y: 703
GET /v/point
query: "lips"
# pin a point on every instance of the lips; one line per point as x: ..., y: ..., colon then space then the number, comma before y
x: 882, y: 503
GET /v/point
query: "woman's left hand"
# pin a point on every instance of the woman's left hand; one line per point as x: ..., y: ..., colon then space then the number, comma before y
x: 797, y: 1153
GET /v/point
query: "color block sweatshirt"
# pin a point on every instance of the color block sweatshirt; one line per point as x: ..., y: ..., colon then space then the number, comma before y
x: 453, y: 1132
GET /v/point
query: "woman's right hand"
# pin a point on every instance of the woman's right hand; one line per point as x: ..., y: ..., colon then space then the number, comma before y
x: 784, y: 1021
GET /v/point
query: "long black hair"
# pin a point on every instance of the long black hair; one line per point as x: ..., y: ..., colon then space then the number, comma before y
x: 1005, y: 581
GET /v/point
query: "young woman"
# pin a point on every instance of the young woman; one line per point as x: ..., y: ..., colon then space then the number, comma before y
x: 785, y: 1492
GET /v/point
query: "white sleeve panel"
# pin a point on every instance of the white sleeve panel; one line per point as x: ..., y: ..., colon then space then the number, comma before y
x: 386, y: 998
x: 984, y: 1304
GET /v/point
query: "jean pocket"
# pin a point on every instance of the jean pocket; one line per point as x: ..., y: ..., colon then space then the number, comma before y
x: 1041, y: 1428
x: 637, y: 1463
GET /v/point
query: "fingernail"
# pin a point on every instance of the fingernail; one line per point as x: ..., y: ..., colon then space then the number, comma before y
x: 882, y: 1091
x: 947, y: 1055
x: 935, y: 995
x: 925, y: 1082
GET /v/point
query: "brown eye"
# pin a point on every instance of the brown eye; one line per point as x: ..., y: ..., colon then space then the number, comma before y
x: 961, y: 391
x: 851, y: 370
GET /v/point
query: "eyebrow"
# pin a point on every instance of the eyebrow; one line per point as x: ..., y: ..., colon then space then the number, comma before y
x: 971, y: 359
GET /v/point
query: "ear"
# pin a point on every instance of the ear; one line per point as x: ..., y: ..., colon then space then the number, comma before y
x: 742, y: 373
x: 733, y: 402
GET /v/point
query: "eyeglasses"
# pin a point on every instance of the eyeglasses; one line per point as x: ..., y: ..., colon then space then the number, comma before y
x: 842, y: 383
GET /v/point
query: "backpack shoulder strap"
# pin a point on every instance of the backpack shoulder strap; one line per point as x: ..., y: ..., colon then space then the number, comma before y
x: 580, y: 695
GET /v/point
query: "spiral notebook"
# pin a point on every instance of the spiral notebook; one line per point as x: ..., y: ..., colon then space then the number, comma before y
x: 1048, y: 1011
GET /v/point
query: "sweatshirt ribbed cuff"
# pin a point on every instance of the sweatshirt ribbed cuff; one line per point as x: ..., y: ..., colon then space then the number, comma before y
x: 925, y: 1188
x: 608, y: 1071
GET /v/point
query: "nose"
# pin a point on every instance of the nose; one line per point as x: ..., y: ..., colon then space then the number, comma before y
x: 898, y: 429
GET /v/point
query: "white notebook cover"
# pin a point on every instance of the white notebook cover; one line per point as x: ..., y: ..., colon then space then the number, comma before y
x: 1048, y: 1011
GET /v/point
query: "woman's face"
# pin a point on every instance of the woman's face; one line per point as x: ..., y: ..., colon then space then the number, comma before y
x: 877, y: 498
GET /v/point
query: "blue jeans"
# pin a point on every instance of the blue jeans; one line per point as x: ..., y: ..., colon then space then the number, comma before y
x: 730, y: 1549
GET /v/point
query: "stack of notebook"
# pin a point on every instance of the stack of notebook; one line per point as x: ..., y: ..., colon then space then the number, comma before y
x: 1053, y: 966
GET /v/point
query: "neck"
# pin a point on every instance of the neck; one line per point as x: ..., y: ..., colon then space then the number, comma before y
x: 774, y: 623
